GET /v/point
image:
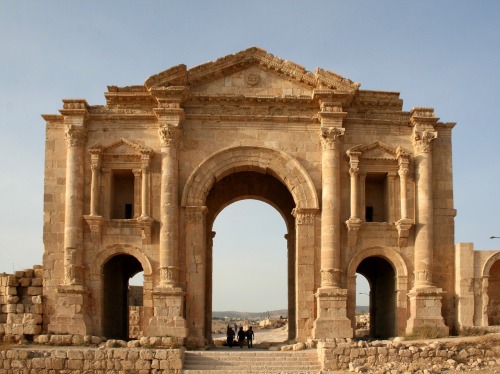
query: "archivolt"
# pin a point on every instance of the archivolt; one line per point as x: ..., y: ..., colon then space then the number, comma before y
x: 489, y: 263
x: 119, y: 249
x: 259, y: 159
x: 390, y: 255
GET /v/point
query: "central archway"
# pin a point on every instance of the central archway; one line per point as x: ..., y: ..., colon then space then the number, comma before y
x: 259, y: 173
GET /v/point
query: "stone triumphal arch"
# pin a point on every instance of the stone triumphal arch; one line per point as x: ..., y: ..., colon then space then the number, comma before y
x: 363, y: 187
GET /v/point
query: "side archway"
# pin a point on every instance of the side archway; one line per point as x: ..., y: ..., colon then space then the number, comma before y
x: 110, y: 274
x: 394, y: 274
x: 491, y: 279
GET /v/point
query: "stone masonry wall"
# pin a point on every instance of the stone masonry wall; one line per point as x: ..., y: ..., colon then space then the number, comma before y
x: 410, y: 356
x: 21, y: 309
x: 91, y: 360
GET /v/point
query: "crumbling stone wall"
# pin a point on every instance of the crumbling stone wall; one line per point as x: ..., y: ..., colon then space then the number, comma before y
x: 21, y: 308
x: 412, y: 356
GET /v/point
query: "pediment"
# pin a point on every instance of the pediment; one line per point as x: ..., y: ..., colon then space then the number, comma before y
x: 376, y: 151
x: 254, y: 69
x: 121, y: 147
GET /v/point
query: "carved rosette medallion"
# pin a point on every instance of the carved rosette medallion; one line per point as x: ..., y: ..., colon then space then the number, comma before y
x: 330, y: 277
x: 330, y: 137
x: 75, y: 136
x: 304, y: 216
x: 169, y: 135
x: 253, y: 80
x: 169, y: 275
x: 422, y: 140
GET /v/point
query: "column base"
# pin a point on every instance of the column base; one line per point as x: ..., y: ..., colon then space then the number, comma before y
x: 70, y: 317
x: 425, y: 311
x: 332, y: 321
x: 168, y: 310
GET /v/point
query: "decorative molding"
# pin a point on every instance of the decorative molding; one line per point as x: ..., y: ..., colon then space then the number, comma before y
x: 353, y: 226
x: 423, y: 277
x: 330, y: 137
x: 75, y: 136
x: 169, y: 276
x: 304, y: 216
x: 169, y: 135
x: 330, y: 277
x: 403, y: 225
x: 422, y: 140
x: 95, y: 224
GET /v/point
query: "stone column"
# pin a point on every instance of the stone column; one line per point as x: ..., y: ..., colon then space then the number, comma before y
x: 290, y: 245
x: 330, y: 214
x: 362, y: 196
x: 168, y: 296
x: 71, y: 310
x: 169, y: 206
x: 196, y: 256
x: 73, y: 230
x: 404, y: 223
x: 425, y: 298
x: 95, y: 159
x: 391, y: 214
x: 354, y: 222
x: 137, y: 191
x: 332, y: 321
x: 145, y: 180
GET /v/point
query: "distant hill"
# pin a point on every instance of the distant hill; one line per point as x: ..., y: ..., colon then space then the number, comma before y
x: 250, y: 315
x: 261, y: 315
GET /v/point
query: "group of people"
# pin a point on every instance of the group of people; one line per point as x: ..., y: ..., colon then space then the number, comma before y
x: 241, y: 336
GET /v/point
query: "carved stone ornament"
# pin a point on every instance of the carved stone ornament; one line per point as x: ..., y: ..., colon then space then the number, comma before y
x: 75, y: 136
x: 304, y: 216
x: 422, y: 140
x: 330, y: 137
x: 330, y: 277
x: 169, y: 135
x: 145, y: 162
x: 253, y: 79
x: 169, y: 275
x: 353, y: 225
x: 423, y: 276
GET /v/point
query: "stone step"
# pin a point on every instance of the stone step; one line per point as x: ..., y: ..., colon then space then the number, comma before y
x: 229, y: 361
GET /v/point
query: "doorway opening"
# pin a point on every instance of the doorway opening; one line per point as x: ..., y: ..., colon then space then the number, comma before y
x: 493, y: 309
x: 117, y: 295
x: 381, y: 278
x: 250, y: 271
x: 362, y: 314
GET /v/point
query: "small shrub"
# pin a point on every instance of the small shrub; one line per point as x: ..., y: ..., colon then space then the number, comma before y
x: 425, y: 332
x: 472, y: 331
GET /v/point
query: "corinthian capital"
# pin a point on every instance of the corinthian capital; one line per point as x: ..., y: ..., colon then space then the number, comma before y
x: 75, y: 136
x: 169, y: 135
x: 422, y: 140
x: 330, y: 136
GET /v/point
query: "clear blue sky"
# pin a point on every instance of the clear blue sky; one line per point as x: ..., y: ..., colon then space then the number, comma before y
x: 443, y: 54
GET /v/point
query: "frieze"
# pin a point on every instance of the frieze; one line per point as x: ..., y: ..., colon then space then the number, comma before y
x: 250, y: 111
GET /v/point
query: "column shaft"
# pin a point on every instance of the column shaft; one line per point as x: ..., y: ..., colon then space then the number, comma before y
x: 169, y: 206
x: 330, y: 213
x: 73, y: 230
